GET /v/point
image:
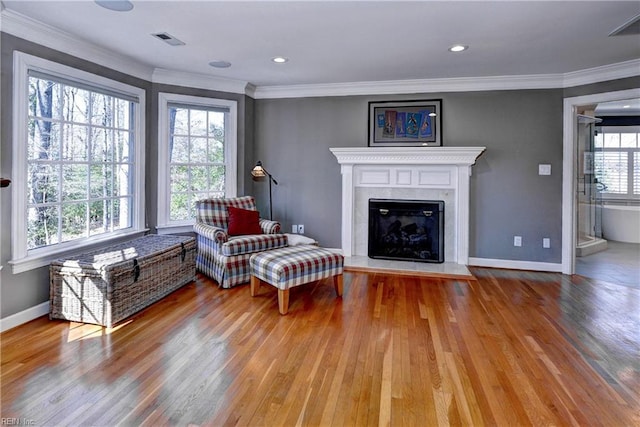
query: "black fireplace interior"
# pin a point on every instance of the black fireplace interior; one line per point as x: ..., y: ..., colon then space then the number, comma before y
x: 409, y: 230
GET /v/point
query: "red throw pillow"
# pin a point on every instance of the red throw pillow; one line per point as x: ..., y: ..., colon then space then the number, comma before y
x: 243, y: 221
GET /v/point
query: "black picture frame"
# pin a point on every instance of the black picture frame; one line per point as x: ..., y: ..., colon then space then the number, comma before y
x: 405, y: 123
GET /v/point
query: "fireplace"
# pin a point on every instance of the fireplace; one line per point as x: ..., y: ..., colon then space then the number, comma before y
x: 409, y: 230
x: 406, y: 173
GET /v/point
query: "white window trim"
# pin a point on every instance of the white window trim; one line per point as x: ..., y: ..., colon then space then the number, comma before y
x: 632, y: 152
x: 22, y: 258
x: 163, y: 224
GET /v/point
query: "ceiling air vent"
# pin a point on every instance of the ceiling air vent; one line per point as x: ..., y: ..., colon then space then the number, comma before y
x: 169, y: 39
x: 631, y: 27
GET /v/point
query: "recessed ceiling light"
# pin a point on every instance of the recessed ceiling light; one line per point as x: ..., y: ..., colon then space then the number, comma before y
x: 626, y: 106
x: 458, y: 48
x: 117, y: 5
x: 280, y: 59
x: 220, y: 64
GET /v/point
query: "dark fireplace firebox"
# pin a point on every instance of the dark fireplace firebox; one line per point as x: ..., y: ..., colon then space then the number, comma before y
x: 409, y: 230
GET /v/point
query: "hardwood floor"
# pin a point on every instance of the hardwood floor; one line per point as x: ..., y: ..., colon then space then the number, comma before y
x: 512, y: 348
x: 619, y: 264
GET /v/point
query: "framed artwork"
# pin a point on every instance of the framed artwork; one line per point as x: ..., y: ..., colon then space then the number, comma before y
x: 405, y: 123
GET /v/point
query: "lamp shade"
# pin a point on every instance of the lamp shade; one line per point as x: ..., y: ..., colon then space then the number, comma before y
x: 258, y: 171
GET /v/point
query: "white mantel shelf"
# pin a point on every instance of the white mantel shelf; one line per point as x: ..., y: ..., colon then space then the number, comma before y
x: 403, y: 155
x: 402, y: 169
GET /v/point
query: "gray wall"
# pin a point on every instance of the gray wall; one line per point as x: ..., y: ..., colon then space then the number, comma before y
x: 292, y: 137
x: 25, y: 290
x: 519, y: 128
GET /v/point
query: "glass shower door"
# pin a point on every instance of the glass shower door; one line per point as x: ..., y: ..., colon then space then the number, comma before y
x: 589, y: 196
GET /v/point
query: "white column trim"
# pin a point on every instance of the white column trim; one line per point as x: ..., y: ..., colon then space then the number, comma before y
x: 347, y: 209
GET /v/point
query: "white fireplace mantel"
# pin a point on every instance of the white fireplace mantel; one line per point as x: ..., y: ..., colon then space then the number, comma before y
x: 428, y: 168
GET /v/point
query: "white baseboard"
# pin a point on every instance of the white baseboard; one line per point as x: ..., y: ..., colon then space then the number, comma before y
x: 24, y: 316
x: 515, y: 265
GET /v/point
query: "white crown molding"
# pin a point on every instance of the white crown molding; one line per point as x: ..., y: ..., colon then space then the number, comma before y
x: 200, y: 81
x: 457, y: 84
x: 251, y: 90
x: 40, y: 33
x: 620, y: 70
x: 51, y: 37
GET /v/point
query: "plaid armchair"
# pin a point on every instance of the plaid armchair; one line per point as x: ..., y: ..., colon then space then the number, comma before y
x: 226, y: 258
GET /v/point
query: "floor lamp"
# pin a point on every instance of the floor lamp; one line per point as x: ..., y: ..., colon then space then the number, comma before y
x: 259, y: 172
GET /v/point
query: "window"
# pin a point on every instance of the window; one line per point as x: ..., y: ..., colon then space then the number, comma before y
x: 617, y: 161
x: 77, y: 162
x: 196, y: 156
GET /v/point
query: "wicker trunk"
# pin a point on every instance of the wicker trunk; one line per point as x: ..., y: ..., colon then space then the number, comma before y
x: 109, y: 285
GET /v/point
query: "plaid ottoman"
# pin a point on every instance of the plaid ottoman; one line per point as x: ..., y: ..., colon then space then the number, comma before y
x: 292, y: 266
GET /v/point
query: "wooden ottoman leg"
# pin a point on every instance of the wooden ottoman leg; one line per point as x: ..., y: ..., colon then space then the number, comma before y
x: 337, y: 283
x: 255, y: 285
x: 283, y: 301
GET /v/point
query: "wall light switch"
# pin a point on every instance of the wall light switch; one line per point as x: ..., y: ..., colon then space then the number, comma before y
x: 544, y: 169
x: 517, y: 240
x: 294, y: 229
x: 546, y: 242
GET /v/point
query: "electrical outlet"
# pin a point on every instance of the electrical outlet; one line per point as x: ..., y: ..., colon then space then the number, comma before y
x: 546, y: 242
x: 517, y: 240
x: 294, y: 229
x: 301, y: 228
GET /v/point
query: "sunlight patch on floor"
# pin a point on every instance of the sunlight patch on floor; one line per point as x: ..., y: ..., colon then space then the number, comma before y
x: 82, y: 331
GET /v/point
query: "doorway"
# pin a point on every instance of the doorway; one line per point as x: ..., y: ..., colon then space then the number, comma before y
x: 571, y: 163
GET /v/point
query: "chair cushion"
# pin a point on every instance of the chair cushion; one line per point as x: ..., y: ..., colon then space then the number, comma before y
x: 253, y: 243
x: 214, y: 211
x: 243, y: 221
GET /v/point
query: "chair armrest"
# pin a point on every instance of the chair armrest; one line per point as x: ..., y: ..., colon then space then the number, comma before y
x: 214, y: 233
x: 269, y: 227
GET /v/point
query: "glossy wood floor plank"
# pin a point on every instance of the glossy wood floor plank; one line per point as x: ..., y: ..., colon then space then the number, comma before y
x: 510, y: 348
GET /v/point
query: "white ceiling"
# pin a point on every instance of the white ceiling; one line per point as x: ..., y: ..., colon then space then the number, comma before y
x: 335, y: 42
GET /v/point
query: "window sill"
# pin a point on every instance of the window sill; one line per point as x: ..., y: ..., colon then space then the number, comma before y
x: 31, y: 262
x: 175, y: 229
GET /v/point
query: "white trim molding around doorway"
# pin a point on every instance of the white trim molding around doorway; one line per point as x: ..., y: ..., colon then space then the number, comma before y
x: 569, y: 165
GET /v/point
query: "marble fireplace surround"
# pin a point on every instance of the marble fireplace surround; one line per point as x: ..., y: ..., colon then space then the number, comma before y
x: 424, y: 173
